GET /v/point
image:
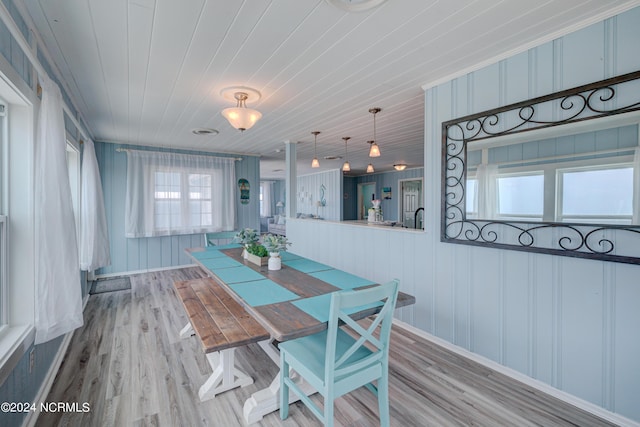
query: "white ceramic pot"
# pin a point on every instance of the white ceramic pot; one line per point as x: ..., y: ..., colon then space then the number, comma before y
x: 275, y: 262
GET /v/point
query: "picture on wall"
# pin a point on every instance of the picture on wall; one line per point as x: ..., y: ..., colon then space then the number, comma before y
x: 386, y: 193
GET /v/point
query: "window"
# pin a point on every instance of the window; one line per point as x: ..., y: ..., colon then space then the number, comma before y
x: 3, y: 273
x: 182, y: 199
x: 520, y: 196
x: 262, y: 184
x: 472, y: 198
x: 169, y: 193
x: 599, y: 194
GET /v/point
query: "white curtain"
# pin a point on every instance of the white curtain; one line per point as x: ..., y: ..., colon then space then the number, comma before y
x: 636, y: 187
x: 487, y: 191
x: 58, y: 299
x: 267, y: 198
x: 170, y: 193
x: 94, y: 238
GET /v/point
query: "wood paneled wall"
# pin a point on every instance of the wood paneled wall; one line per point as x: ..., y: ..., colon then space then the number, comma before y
x: 309, y: 193
x: 568, y: 322
x: 167, y: 251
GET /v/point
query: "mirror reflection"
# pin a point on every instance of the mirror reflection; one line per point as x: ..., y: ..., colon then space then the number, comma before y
x: 591, y: 176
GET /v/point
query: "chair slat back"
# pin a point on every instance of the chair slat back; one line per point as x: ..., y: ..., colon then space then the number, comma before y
x: 342, y: 301
x: 212, y: 239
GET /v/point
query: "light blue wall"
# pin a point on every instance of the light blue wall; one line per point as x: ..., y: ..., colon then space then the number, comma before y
x: 567, y: 322
x: 309, y: 191
x: 21, y: 385
x: 128, y: 254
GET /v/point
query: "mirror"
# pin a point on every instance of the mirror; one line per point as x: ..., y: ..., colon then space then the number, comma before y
x: 557, y: 174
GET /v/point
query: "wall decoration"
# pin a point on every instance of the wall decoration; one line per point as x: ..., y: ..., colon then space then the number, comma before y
x: 386, y: 193
x: 555, y: 117
x: 323, y: 201
x: 244, y: 191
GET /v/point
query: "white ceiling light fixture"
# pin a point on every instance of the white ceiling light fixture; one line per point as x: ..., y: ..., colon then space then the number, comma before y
x: 241, y: 117
x: 315, y: 163
x: 370, y: 168
x: 374, y: 151
x: 400, y: 166
x: 346, y: 167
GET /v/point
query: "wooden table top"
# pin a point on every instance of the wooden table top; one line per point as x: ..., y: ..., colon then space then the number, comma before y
x: 284, y: 320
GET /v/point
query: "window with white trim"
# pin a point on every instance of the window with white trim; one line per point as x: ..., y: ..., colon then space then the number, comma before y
x: 172, y: 193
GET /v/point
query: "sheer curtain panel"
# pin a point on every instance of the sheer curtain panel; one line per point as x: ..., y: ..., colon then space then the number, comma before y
x: 94, y: 237
x: 58, y: 295
x: 171, y: 193
x: 267, y: 198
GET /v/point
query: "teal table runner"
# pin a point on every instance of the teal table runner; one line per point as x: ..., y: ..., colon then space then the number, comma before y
x: 208, y: 254
x: 257, y: 290
x: 225, y: 246
x: 238, y: 274
x: 306, y: 265
x: 288, y: 256
x: 262, y: 292
x: 318, y: 307
x: 341, y: 279
x: 220, y: 262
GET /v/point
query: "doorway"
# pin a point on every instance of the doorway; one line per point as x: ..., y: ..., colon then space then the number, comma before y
x: 366, y: 192
x: 410, y: 202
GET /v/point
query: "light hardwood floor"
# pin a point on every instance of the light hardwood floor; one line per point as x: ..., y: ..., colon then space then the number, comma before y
x: 130, y: 365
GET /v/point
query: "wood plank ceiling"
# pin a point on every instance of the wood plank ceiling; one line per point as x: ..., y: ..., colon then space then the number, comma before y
x: 149, y: 71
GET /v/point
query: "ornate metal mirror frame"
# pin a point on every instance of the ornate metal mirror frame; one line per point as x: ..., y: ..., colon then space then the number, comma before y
x: 619, y: 243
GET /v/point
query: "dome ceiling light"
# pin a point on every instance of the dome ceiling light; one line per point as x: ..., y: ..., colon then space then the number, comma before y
x: 241, y: 117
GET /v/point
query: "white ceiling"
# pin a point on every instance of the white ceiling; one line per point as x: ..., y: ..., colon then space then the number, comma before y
x: 149, y: 71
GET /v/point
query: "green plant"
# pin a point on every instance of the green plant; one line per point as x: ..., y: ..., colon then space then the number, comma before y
x: 257, y: 250
x: 275, y: 243
x: 246, y: 236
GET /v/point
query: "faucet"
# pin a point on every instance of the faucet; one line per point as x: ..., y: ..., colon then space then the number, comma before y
x: 415, y: 217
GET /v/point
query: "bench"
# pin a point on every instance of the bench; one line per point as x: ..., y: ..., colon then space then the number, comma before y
x: 221, y: 324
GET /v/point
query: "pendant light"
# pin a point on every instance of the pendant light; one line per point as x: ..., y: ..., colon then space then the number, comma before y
x: 315, y: 163
x: 346, y: 167
x: 370, y: 168
x: 374, y: 151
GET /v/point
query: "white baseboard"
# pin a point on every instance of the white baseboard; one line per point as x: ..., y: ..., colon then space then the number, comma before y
x: 32, y: 416
x: 519, y: 376
x: 149, y: 270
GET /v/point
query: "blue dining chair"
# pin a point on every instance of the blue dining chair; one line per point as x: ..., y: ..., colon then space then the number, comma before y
x: 213, y: 239
x: 334, y: 362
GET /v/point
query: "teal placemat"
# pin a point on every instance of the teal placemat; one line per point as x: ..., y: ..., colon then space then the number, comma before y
x: 318, y: 306
x: 306, y: 265
x: 341, y: 279
x: 262, y: 292
x: 208, y: 254
x: 288, y: 256
x: 238, y: 274
x: 218, y: 263
x: 225, y: 246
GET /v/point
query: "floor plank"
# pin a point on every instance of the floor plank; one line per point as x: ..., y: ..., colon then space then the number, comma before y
x: 130, y: 365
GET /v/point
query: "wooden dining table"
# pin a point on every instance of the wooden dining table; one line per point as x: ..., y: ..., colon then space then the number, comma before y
x: 289, y: 303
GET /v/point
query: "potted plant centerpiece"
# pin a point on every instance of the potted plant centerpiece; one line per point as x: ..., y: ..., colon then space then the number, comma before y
x: 246, y: 237
x: 275, y: 244
x: 257, y: 254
